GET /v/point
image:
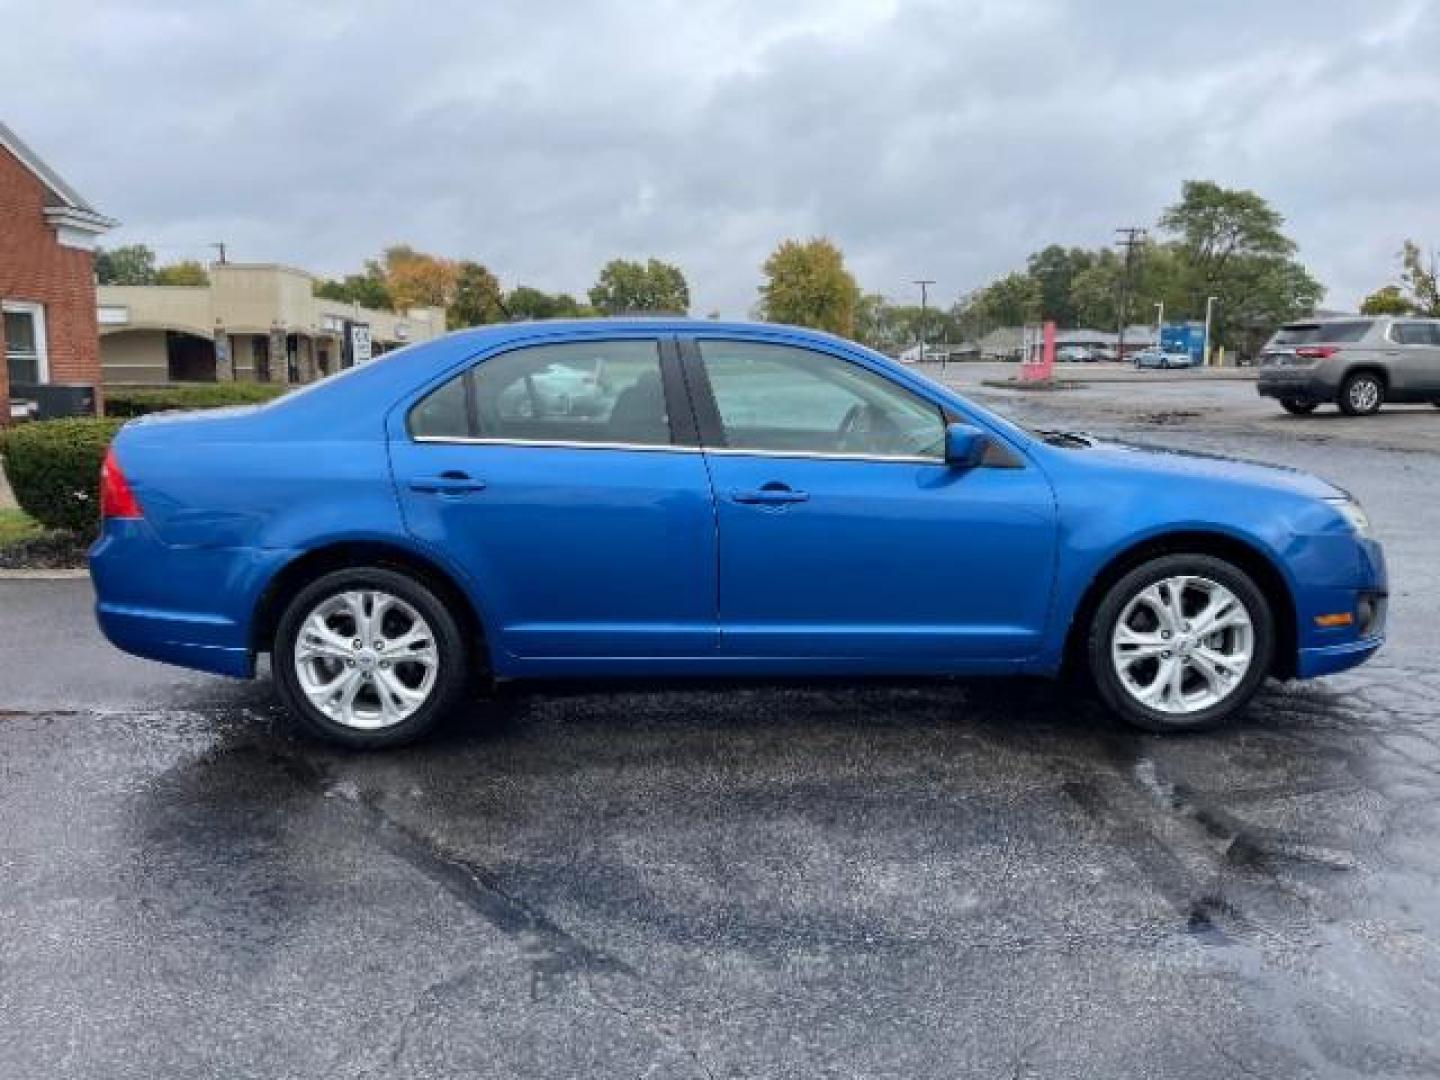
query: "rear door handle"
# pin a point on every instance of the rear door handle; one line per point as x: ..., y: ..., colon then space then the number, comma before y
x: 450, y: 482
x: 770, y: 495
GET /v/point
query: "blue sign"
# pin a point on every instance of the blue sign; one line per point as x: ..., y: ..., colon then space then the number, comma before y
x: 1186, y: 337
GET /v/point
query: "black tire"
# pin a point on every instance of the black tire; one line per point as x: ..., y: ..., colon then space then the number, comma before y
x: 1362, y: 394
x: 1102, y: 626
x: 1297, y: 407
x: 453, y: 677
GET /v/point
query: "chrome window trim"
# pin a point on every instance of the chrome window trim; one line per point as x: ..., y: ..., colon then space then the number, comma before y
x: 727, y: 451
x: 558, y: 444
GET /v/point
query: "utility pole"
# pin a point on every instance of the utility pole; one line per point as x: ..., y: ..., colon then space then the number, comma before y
x: 1132, y: 238
x: 1209, y: 311
x: 220, y: 247
x: 924, y: 284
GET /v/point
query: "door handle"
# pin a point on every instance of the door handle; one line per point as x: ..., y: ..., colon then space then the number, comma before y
x: 450, y: 482
x: 773, y: 494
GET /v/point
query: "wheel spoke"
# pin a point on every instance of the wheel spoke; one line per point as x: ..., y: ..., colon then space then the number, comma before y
x: 1212, y: 673
x: 318, y: 641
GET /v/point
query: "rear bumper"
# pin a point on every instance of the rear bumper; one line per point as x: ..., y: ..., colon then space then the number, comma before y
x: 186, y: 639
x: 1300, y: 384
x: 189, y: 606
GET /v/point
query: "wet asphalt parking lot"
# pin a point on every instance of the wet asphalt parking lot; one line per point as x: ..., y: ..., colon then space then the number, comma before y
x: 878, y: 880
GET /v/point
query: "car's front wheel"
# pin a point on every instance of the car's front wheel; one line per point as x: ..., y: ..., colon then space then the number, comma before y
x: 1298, y: 407
x: 369, y: 657
x: 1181, y: 643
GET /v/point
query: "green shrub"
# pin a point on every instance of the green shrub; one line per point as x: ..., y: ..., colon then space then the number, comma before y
x: 54, y: 469
x: 138, y: 401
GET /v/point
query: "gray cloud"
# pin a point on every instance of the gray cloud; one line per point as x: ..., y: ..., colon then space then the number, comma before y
x: 943, y: 138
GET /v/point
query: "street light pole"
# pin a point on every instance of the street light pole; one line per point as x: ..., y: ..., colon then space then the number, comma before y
x: 924, y: 284
x: 1209, y: 310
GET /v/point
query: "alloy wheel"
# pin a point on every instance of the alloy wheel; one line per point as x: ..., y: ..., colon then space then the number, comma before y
x: 1364, y: 395
x: 1182, y: 645
x: 366, y: 659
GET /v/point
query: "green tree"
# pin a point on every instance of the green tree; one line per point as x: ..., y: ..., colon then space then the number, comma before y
x: 1095, y: 292
x: 186, y: 272
x: 625, y: 286
x: 525, y: 302
x: 1388, y: 300
x: 1418, y: 274
x: 133, y: 264
x: 1013, y: 300
x: 1216, y: 225
x: 367, y: 289
x: 476, y: 299
x: 806, y: 284
x: 1229, y: 244
x: 875, y: 323
x: 1054, y: 270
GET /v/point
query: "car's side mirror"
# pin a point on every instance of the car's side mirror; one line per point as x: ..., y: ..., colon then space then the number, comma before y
x: 965, y: 446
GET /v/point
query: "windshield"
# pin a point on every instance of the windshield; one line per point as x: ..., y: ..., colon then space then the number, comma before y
x: 1339, y: 333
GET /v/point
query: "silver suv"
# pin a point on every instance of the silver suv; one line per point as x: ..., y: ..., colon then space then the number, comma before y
x: 1358, y: 363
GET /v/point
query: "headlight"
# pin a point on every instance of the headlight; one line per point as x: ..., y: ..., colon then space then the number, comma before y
x: 1350, y: 510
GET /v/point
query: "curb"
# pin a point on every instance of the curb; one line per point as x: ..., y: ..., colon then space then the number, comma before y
x: 43, y: 575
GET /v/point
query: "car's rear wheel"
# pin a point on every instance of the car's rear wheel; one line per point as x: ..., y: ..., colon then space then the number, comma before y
x: 1181, y: 643
x: 369, y: 657
x: 1298, y: 407
x: 1362, y: 394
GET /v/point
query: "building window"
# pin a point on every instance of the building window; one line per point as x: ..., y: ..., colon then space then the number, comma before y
x: 25, y: 356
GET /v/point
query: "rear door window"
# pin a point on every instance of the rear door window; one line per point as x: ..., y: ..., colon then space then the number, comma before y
x: 1414, y: 333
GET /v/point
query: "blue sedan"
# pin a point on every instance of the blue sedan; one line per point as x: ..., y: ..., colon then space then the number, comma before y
x: 655, y: 498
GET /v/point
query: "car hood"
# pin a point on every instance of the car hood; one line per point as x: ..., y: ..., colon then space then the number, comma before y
x: 1165, y: 463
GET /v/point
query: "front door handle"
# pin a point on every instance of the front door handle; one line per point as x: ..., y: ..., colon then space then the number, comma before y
x: 450, y: 482
x: 772, y: 494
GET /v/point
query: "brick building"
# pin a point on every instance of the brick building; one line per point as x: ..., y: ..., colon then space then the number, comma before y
x: 47, y: 278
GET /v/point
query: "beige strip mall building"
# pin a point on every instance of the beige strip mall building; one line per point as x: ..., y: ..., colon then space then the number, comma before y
x: 253, y: 322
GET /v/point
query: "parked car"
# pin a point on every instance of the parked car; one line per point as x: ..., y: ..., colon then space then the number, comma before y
x: 1103, y: 353
x: 1154, y: 357
x: 1076, y: 354
x: 751, y: 501
x: 1356, y: 363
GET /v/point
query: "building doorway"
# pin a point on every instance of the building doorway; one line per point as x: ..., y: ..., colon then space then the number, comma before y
x: 260, y: 357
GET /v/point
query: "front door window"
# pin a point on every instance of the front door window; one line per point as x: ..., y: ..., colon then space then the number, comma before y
x: 782, y: 400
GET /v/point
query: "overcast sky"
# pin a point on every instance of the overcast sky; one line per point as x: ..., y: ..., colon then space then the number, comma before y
x: 929, y: 139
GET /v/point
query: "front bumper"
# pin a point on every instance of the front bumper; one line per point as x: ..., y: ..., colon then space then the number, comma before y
x: 1326, y: 651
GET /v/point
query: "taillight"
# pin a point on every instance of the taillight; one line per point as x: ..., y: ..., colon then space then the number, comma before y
x: 1316, y: 352
x: 116, y: 498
